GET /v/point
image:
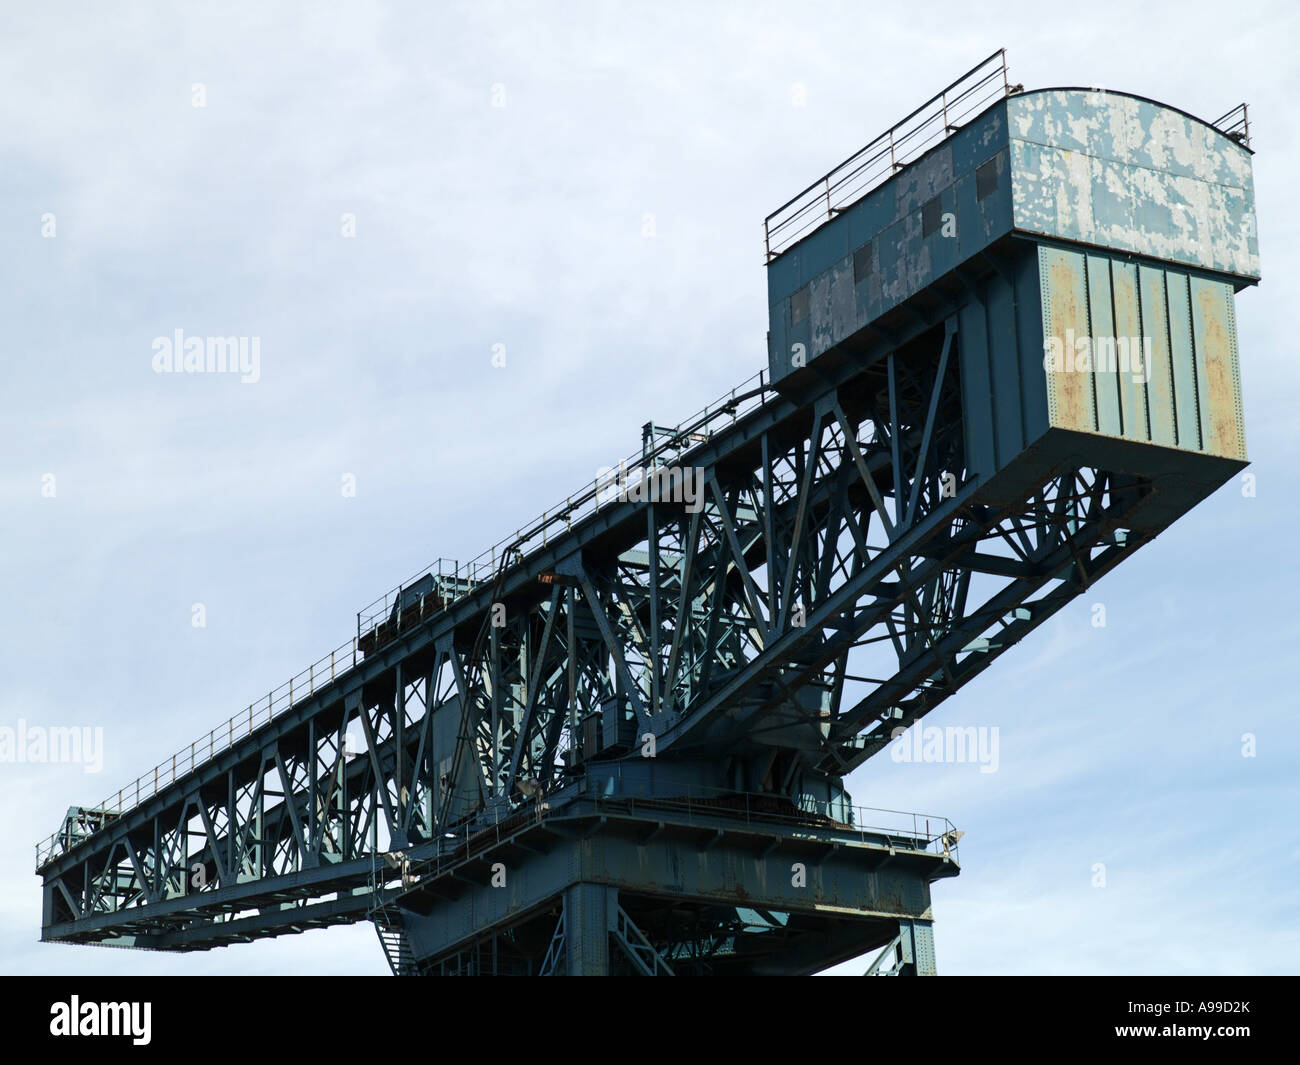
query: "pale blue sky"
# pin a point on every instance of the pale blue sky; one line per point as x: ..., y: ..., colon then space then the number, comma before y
x: 522, y: 225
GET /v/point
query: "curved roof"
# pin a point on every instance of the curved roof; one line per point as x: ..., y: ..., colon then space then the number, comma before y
x: 1134, y: 96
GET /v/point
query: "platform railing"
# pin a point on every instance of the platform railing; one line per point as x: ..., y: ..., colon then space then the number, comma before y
x: 277, y: 701
x: 904, y: 830
x: 559, y: 519
x: 925, y: 831
x: 903, y: 143
x: 461, y: 580
x: 1235, y: 124
x: 872, y: 820
x: 451, y: 582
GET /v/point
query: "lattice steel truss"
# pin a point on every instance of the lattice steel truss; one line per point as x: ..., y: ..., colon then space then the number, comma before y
x: 837, y: 577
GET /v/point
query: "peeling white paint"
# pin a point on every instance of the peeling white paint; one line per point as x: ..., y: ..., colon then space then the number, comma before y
x: 1131, y: 174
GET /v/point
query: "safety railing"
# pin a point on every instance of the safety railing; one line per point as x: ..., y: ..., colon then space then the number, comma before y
x: 926, y: 831
x: 456, y: 581
x: 749, y: 804
x: 447, y: 581
x: 902, y: 143
x: 1236, y: 124
x: 559, y: 519
x: 324, y: 671
x: 904, y: 830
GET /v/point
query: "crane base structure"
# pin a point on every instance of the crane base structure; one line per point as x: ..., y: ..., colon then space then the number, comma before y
x: 665, y: 887
x: 1002, y: 357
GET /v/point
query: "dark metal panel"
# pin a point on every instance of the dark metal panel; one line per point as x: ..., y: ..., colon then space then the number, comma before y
x: 1023, y: 277
x: 906, y: 256
x: 977, y: 388
x: 1004, y: 366
x: 588, y: 912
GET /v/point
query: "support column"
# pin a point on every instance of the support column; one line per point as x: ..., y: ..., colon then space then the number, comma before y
x: 587, y: 912
x: 918, y: 946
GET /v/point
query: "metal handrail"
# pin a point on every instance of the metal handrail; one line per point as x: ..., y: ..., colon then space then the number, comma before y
x: 466, y: 579
x: 557, y: 520
x: 903, y: 143
x: 319, y: 674
x: 871, y: 820
x: 470, y: 839
x: 1235, y: 124
x: 926, y: 829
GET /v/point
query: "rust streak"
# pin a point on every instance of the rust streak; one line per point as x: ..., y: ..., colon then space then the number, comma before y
x: 1067, y: 315
x: 1220, y: 397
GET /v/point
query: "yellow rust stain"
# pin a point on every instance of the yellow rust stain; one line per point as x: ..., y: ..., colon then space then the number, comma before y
x: 1220, y: 396
x: 1067, y: 314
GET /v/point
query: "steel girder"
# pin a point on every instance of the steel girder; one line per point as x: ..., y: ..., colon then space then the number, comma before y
x: 839, y: 576
x: 705, y: 888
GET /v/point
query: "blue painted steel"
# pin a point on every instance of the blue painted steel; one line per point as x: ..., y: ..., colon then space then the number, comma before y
x: 1105, y: 169
x: 639, y: 761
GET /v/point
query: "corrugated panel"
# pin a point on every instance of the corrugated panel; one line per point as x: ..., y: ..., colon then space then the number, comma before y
x: 1065, y: 319
x: 1128, y: 326
x: 1161, y: 350
x: 1101, y: 315
x: 1214, y: 332
x: 977, y: 388
x: 1155, y: 356
x: 1184, y: 368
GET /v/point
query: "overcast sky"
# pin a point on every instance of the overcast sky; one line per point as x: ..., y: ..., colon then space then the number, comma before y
x: 524, y: 225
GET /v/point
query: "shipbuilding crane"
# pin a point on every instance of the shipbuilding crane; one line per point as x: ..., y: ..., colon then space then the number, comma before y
x: 1001, y: 358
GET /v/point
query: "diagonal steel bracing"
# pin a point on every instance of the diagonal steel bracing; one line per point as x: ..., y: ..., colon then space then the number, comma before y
x: 836, y: 573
